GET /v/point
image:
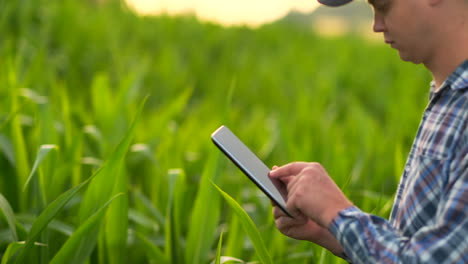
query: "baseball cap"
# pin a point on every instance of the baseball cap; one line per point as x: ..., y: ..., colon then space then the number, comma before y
x: 334, y: 2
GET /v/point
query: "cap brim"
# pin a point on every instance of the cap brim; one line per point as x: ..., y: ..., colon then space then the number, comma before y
x: 334, y: 2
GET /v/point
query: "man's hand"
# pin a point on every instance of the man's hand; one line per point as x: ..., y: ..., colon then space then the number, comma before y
x: 313, y: 199
x: 311, y: 192
x: 302, y: 228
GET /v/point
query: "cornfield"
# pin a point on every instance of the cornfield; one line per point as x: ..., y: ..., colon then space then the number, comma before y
x: 105, y: 123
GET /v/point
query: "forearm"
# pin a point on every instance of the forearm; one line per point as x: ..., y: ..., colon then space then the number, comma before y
x: 370, y: 239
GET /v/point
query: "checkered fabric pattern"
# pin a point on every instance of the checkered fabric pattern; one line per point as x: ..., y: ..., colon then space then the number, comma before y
x: 429, y: 219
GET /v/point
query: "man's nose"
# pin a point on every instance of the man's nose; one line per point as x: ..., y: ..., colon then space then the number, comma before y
x: 379, y: 23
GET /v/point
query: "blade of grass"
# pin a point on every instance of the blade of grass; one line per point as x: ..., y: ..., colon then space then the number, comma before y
x: 48, y: 214
x: 152, y: 251
x: 146, y: 202
x: 170, y: 247
x: 180, y: 213
x: 249, y: 227
x: 19, y: 144
x: 10, y: 252
x: 204, y: 217
x: 80, y: 245
x: 173, y: 217
x: 49, y: 184
x: 171, y: 110
x: 102, y: 186
x: 110, y: 181
x: 42, y: 153
x: 226, y: 259
x: 116, y: 227
x: 7, y: 149
x: 103, y: 101
x: 277, y: 244
x: 219, y: 250
x: 117, y: 216
x: 9, y: 216
x: 235, y: 236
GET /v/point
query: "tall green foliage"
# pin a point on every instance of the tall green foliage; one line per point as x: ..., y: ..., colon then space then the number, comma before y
x: 93, y: 172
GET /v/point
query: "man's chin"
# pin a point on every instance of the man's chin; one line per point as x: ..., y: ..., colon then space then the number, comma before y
x: 408, y: 58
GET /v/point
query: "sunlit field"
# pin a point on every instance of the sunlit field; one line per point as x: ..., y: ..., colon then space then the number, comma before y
x: 105, y: 123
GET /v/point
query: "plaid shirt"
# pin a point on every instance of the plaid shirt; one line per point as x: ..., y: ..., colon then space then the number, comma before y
x: 429, y: 220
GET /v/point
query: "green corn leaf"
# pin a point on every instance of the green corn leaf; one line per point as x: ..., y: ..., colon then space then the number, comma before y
x: 117, y: 217
x: 61, y: 227
x: 173, y: 216
x: 117, y: 224
x: 80, y: 245
x: 154, y: 212
x: 9, y: 215
x: 112, y: 180
x: 235, y: 236
x: 102, y: 187
x: 13, y: 249
x: 218, y: 251
x: 169, y: 229
x: 19, y: 142
x: 7, y: 148
x: 103, y: 101
x: 42, y: 153
x: 204, y: 218
x: 152, y: 251
x: 10, y: 252
x: 226, y: 259
x: 249, y: 227
x: 47, y: 215
x: 171, y: 110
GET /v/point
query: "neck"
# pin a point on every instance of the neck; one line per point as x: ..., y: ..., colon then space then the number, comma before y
x: 451, y: 50
x: 441, y: 69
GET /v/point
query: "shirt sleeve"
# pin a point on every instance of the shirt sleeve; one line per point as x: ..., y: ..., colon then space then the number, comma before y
x: 367, y: 238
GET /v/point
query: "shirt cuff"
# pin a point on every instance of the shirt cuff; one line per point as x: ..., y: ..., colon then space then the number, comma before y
x: 338, y: 224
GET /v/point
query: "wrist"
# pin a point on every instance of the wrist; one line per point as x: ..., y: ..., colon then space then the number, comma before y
x: 332, y: 212
x: 327, y: 240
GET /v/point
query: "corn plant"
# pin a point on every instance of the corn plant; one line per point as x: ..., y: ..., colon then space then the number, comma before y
x: 105, y: 123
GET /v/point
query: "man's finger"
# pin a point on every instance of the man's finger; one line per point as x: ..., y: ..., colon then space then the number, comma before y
x: 277, y: 212
x: 288, y: 170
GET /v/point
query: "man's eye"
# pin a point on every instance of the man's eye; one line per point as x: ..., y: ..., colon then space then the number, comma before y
x: 382, y: 6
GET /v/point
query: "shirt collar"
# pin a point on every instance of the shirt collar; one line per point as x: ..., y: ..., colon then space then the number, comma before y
x: 456, y: 81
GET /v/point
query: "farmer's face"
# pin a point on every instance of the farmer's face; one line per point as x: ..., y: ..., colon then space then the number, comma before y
x: 405, y: 26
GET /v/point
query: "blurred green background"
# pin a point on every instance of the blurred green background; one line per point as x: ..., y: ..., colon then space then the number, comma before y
x: 105, y: 123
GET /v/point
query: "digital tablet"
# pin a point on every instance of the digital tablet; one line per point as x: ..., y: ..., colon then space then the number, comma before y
x: 249, y: 163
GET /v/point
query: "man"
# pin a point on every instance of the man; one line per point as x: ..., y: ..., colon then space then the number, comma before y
x: 429, y: 219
